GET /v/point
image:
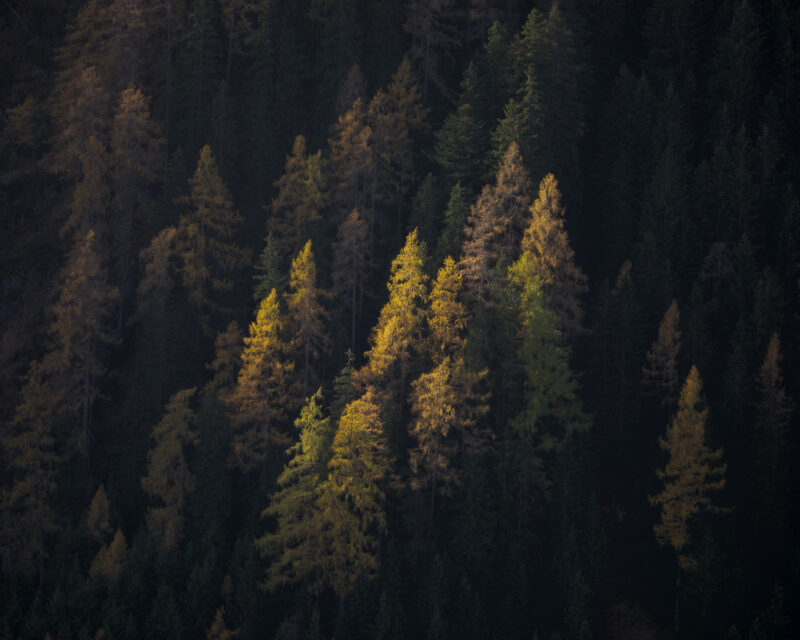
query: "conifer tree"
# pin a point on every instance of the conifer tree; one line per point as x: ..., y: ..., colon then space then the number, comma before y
x: 297, y: 544
x: 771, y: 438
x: 79, y: 331
x: 434, y: 35
x: 269, y: 276
x: 447, y: 319
x: 661, y: 370
x: 460, y: 147
x: 306, y: 314
x: 206, y: 239
x: 494, y: 227
x: 262, y: 398
x: 168, y: 480
x: 32, y: 461
x: 395, y: 115
x: 552, y: 407
x: 91, y: 197
x: 352, y: 498
x: 136, y: 150
x: 692, y: 472
x: 396, y: 335
x: 455, y: 218
x: 351, y: 267
x: 547, y: 241
x: 446, y: 406
x: 218, y: 630
x: 521, y: 123
x: 352, y: 166
x: 98, y: 517
x: 302, y: 195
x: 110, y: 560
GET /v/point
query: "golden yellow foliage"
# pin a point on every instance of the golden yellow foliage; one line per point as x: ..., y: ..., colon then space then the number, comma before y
x: 692, y: 472
x: 98, y: 516
x: 661, y: 370
x: 447, y: 318
x: 110, y: 559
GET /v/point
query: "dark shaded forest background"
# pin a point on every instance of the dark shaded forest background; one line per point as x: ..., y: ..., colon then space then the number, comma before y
x: 337, y: 318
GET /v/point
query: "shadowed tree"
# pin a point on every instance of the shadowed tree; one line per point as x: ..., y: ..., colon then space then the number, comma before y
x: 168, y: 480
x: 351, y: 267
x: 80, y: 331
x: 206, y: 240
x: 32, y: 462
x: 661, y: 370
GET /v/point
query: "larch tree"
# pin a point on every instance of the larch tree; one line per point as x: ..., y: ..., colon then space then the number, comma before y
x: 446, y: 406
x: 693, y: 471
x: 397, y: 334
x: 351, y: 268
x: 395, y: 115
x: 351, y: 500
x: 661, y: 370
x: 494, y: 227
x: 168, y: 481
x: 297, y: 544
x: 218, y: 630
x: 771, y: 438
x: 91, y: 197
x: 352, y: 167
x: 307, y: 315
x: 548, y: 243
x: 137, y: 160
x: 207, y: 239
x: 98, y: 516
x: 32, y: 461
x: 109, y: 562
x: 447, y: 318
x: 262, y: 397
x: 79, y: 333
x: 552, y: 407
x: 302, y: 195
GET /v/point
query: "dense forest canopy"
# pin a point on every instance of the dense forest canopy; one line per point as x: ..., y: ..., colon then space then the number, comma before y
x: 399, y: 319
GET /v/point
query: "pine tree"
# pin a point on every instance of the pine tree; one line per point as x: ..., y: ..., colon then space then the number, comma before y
x: 297, y: 544
x: 521, y: 123
x: 32, y: 461
x: 168, y: 480
x: 302, y: 195
x: 396, y: 336
x: 79, y: 332
x: 262, y: 398
x: 661, y: 370
x: 455, y: 218
x: 306, y: 314
x: 352, y: 498
x: 547, y: 241
x: 206, y: 239
x: 351, y: 268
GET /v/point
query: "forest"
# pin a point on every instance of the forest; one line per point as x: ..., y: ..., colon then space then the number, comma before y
x: 429, y: 319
